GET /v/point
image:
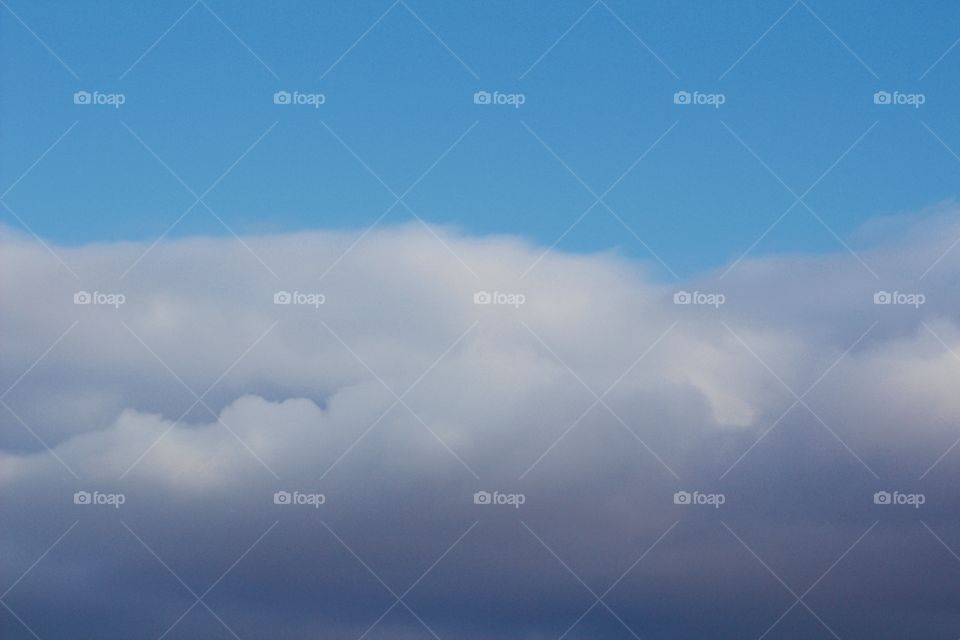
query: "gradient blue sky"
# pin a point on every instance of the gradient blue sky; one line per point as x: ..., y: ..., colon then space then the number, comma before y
x: 169, y: 355
x: 799, y: 98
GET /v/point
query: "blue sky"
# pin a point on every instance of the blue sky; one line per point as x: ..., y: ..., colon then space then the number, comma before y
x: 216, y: 295
x: 598, y: 98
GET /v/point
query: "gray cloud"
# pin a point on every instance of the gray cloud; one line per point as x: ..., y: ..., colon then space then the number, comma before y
x: 494, y: 398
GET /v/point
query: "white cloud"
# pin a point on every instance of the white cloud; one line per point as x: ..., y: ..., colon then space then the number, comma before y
x: 489, y: 382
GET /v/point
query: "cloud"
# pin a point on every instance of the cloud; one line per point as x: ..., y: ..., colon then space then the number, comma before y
x: 399, y: 397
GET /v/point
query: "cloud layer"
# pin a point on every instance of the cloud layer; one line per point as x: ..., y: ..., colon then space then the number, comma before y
x: 399, y: 397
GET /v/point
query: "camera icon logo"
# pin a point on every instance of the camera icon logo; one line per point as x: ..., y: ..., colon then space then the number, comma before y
x: 681, y: 497
x: 82, y: 297
x: 482, y: 97
x: 882, y: 97
x: 282, y: 297
x: 681, y: 97
x: 482, y: 297
x: 82, y: 497
x: 282, y: 497
x: 482, y: 497
x: 881, y: 497
x: 682, y: 297
x: 882, y: 297
x: 82, y: 97
x: 282, y: 97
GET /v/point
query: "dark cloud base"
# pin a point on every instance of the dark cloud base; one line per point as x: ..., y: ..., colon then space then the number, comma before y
x: 797, y: 549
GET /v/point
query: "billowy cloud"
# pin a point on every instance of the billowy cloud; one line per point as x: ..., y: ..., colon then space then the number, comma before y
x: 586, y: 385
